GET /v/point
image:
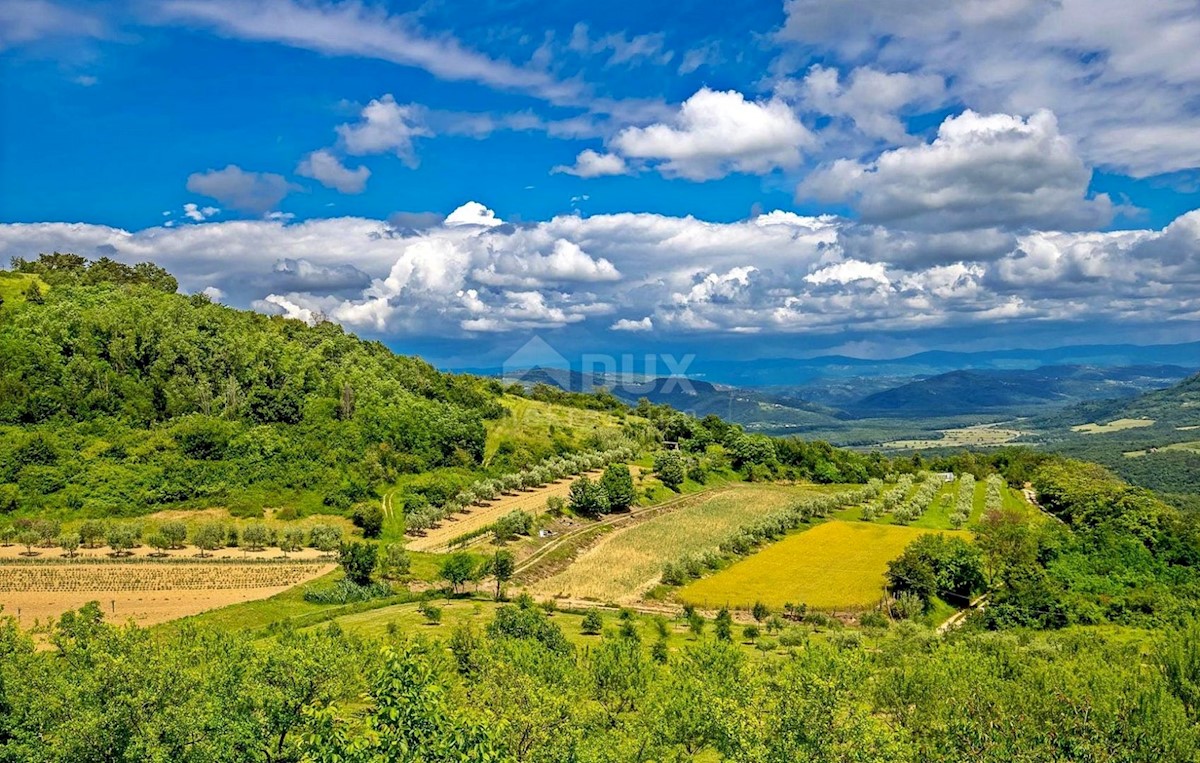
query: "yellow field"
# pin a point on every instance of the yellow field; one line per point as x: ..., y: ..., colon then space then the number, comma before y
x: 626, y: 563
x: 834, y: 566
x: 981, y: 435
x: 1113, y: 426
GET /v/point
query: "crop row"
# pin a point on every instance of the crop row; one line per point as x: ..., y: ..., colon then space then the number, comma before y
x: 964, y: 501
x: 56, y: 578
x: 424, y: 517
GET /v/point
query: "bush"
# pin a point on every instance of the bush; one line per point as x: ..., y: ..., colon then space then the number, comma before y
x: 358, y: 561
x: 592, y: 623
x: 668, y: 467
x: 431, y: 613
x: 346, y: 591
x: 369, y: 519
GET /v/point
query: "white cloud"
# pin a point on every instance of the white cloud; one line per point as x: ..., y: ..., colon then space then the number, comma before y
x: 980, y: 171
x: 363, y: 30
x: 590, y: 164
x: 1123, y: 77
x: 873, y: 100
x: 386, y: 127
x: 849, y: 272
x: 254, y: 192
x: 642, y: 48
x: 325, y: 168
x: 32, y: 20
x: 627, y: 324
x: 213, y: 293
x: 716, y: 133
x: 473, y: 213
x: 196, y: 213
x: 777, y: 274
x: 566, y: 263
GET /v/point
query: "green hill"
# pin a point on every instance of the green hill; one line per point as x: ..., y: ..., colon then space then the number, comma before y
x: 118, y: 396
x: 1146, y: 439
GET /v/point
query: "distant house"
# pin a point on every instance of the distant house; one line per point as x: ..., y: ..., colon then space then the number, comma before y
x: 670, y: 445
x: 946, y: 476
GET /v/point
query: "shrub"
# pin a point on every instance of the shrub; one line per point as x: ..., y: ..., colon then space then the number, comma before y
x: 431, y: 612
x: 592, y: 623
x: 358, y: 561
x: 369, y: 519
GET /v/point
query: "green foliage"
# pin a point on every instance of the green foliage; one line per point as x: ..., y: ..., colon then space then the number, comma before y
x: 617, y: 483
x: 146, y: 398
x: 394, y: 562
x: 587, y: 498
x: 457, y: 569
x: 358, y: 561
x: 668, y: 467
x: 369, y: 519
x: 724, y: 625
x: 526, y: 622
x: 592, y: 624
x: 937, y: 565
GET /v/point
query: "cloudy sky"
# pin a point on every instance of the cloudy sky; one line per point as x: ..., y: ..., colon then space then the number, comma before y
x: 781, y: 178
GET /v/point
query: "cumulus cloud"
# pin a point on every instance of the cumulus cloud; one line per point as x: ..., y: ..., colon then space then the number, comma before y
x: 1123, y: 77
x: 980, y: 171
x: 590, y: 164
x: 628, y: 324
x: 872, y: 100
x: 197, y: 213
x: 777, y: 274
x: 255, y: 192
x: 386, y: 127
x: 329, y: 171
x: 473, y: 213
x: 716, y: 133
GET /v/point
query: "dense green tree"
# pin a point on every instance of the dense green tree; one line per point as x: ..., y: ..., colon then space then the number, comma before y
x: 617, y: 483
x: 358, y: 560
x: 668, y: 467
x: 587, y: 498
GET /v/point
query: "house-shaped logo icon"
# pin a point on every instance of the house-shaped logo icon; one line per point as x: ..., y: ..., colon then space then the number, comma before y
x: 537, y: 361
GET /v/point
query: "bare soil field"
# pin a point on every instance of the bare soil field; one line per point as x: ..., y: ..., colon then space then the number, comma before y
x: 146, y: 592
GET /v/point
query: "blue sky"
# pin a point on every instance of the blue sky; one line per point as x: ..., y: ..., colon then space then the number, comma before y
x: 778, y: 178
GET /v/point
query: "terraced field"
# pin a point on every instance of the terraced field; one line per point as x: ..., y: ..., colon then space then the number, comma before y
x: 148, y: 592
x: 624, y: 564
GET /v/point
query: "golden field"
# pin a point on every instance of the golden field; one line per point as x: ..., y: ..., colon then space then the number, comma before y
x: 836, y: 565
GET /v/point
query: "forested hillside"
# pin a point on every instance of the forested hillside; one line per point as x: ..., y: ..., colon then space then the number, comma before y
x: 116, y: 395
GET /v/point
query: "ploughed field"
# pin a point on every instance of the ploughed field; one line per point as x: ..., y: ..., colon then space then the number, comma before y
x: 145, y: 591
x: 837, y: 565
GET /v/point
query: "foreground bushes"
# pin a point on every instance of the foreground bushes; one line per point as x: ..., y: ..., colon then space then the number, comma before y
x: 519, y: 691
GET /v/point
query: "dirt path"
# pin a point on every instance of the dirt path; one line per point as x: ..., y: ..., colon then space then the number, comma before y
x: 533, y: 501
x: 957, y: 618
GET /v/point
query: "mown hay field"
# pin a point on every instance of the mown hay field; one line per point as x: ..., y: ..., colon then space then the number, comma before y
x: 1119, y: 425
x: 629, y: 561
x: 835, y: 566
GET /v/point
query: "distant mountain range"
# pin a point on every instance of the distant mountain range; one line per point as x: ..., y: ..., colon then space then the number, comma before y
x: 830, y: 403
x: 769, y: 372
x: 999, y: 391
